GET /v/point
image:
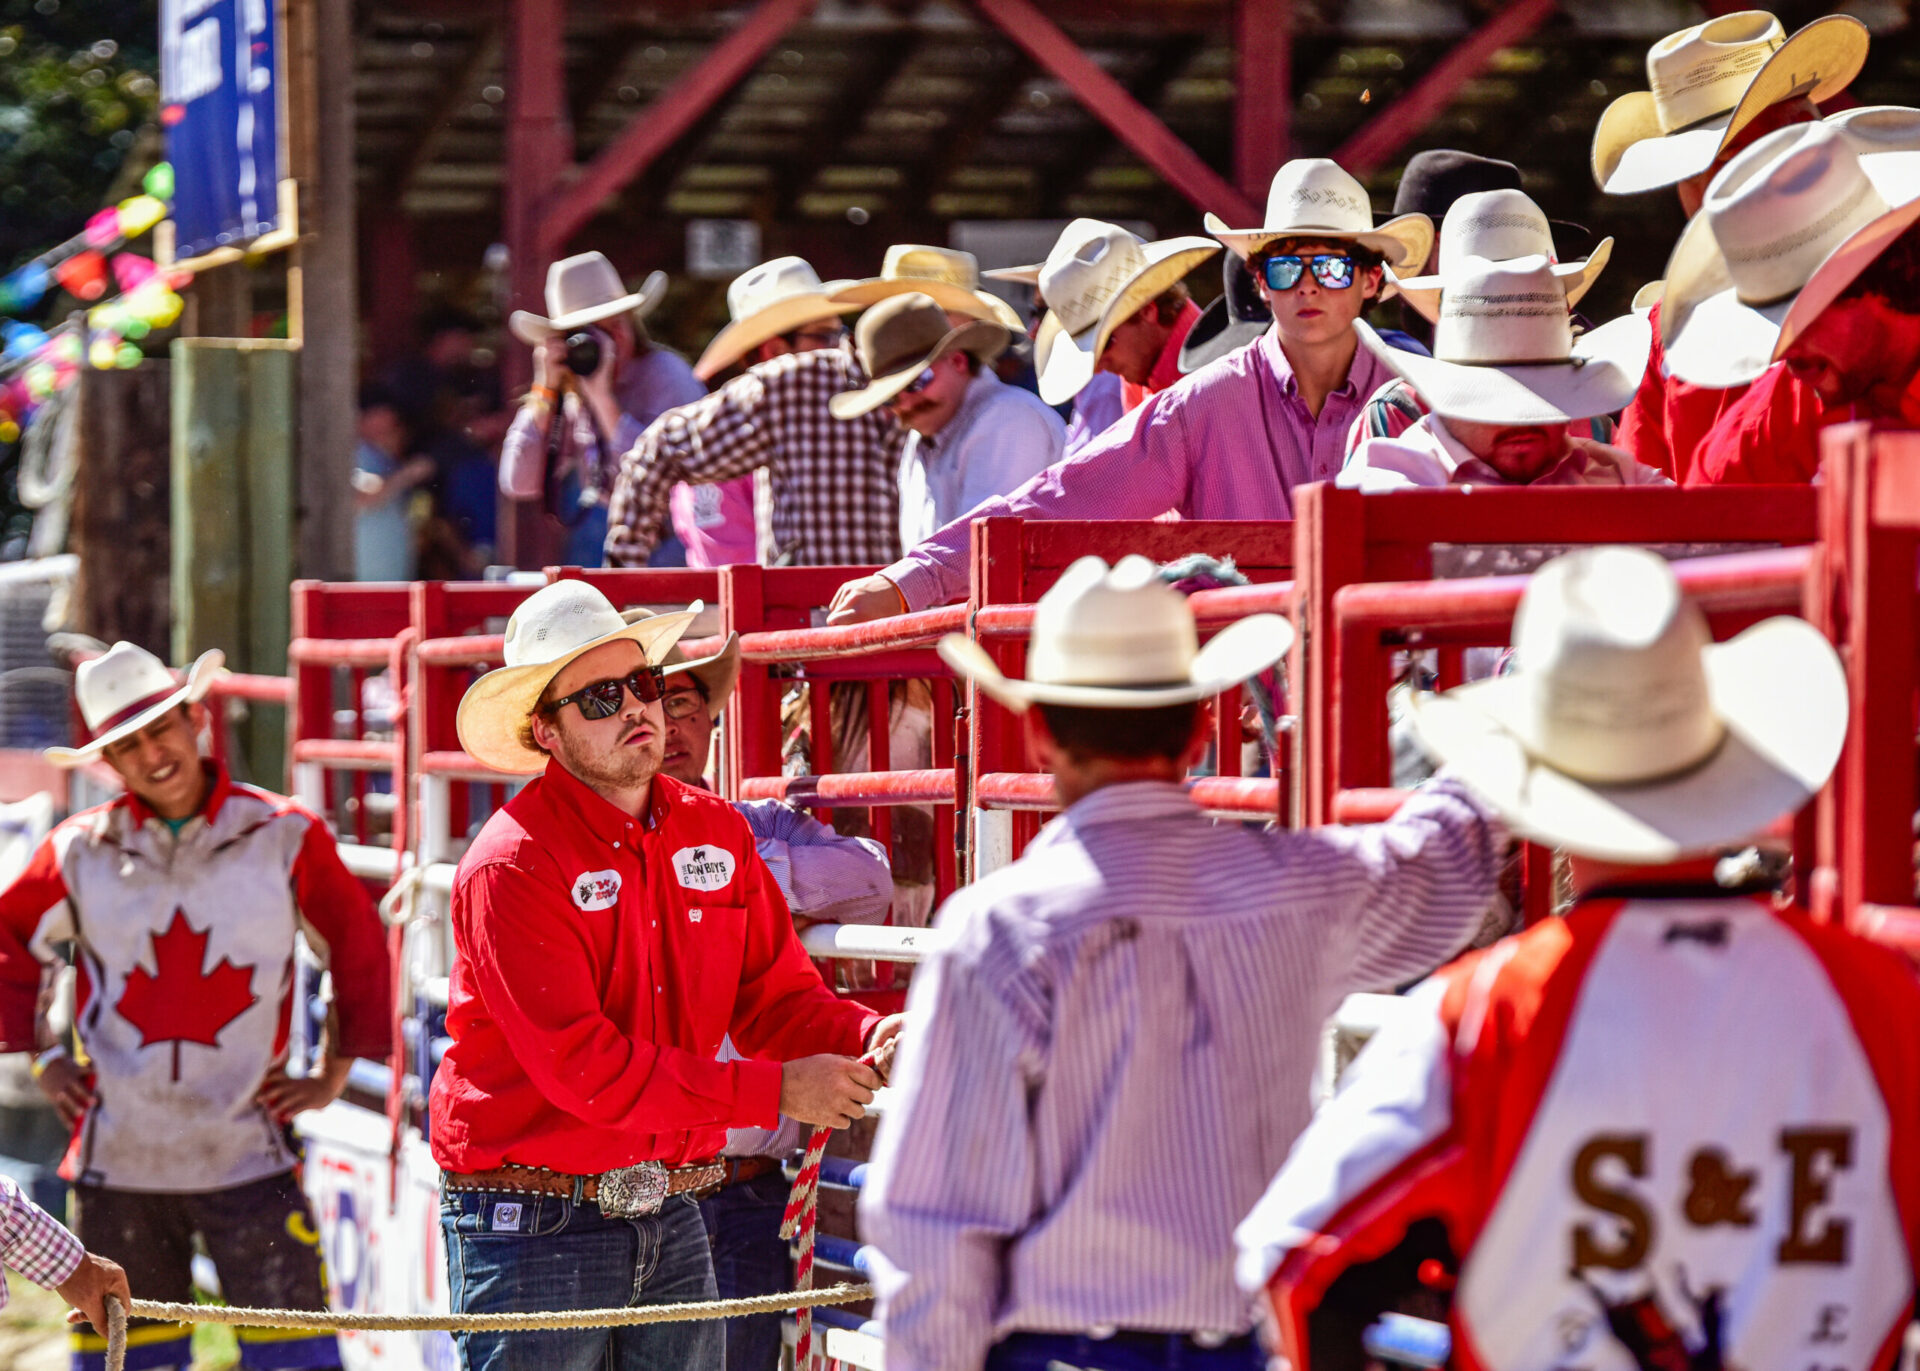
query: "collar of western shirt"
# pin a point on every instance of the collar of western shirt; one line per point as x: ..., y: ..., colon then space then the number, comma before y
x: 1363, y: 365
x: 222, y: 786
x: 1125, y: 800
x: 980, y: 391
x: 599, y: 816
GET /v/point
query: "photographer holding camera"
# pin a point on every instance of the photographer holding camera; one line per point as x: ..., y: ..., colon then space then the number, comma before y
x: 595, y: 365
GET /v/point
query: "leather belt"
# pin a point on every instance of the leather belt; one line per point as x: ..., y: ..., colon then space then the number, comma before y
x: 631, y: 1192
x: 742, y: 1169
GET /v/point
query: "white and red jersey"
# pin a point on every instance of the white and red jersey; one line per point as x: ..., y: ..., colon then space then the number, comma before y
x: 185, y: 950
x: 1697, y: 1102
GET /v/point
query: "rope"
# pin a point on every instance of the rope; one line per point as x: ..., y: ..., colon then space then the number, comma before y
x: 803, y: 1206
x: 325, y: 1320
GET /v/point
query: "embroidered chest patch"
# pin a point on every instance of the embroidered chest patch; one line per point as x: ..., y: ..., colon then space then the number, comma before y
x: 596, y: 889
x: 703, y: 868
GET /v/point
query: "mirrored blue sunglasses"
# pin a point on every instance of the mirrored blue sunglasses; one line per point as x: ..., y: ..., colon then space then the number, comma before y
x: 1334, y: 270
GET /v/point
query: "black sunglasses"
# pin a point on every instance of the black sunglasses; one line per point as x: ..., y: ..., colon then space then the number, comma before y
x: 602, y: 699
x: 1334, y: 270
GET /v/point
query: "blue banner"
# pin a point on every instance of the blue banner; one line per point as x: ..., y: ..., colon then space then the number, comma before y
x: 219, y: 92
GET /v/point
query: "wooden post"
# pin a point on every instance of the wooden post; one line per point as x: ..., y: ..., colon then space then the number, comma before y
x: 120, y: 506
x: 1263, y: 98
x: 233, y: 516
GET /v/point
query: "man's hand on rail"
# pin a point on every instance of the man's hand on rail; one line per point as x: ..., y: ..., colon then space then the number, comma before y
x: 884, y: 1043
x: 88, y: 1287
x: 827, y: 1091
x: 866, y: 598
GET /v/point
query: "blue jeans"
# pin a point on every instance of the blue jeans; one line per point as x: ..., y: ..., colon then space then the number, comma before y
x: 750, y: 1258
x: 522, y: 1253
x: 1122, y: 1352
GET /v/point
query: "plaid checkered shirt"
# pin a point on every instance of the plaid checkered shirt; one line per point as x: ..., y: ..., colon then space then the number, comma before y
x: 32, y: 1242
x: 835, y: 484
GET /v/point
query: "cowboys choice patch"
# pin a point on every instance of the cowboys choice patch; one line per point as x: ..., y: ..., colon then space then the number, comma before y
x: 703, y: 868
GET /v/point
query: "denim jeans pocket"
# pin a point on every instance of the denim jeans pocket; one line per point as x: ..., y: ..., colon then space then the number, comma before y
x: 481, y: 1214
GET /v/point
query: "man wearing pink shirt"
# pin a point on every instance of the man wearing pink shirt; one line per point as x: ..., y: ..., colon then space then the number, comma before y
x: 1232, y: 440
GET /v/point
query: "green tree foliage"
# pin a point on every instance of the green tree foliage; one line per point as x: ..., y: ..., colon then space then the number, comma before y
x: 79, y: 80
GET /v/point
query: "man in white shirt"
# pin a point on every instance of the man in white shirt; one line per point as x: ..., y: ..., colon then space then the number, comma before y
x: 972, y: 436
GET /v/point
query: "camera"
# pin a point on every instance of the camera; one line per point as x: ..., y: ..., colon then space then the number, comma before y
x: 585, y: 350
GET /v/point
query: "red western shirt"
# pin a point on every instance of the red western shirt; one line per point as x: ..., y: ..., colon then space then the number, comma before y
x: 599, y: 959
x: 1166, y: 368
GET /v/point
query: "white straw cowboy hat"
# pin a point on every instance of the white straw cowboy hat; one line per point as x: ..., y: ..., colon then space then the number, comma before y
x: 901, y: 337
x: 718, y: 671
x: 554, y: 625
x: 1121, y: 638
x: 585, y: 290
x: 947, y: 274
x: 1776, y: 214
x: 773, y: 298
x: 1312, y: 197
x: 1504, y: 350
x: 1711, y: 81
x: 126, y: 688
x: 1625, y: 733
x: 1499, y: 225
x: 1095, y: 279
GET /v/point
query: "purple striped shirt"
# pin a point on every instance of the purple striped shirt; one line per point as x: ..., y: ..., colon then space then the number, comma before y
x: 1230, y: 441
x: 1106, y: 1067
x: 32, y: 1242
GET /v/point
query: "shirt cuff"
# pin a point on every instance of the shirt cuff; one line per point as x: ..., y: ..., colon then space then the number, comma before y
x: 757, y: 1104
x: 43, y: 1250
x: 918, y: 583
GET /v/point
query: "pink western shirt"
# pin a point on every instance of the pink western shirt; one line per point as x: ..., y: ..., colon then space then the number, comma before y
x: 1231, y: 441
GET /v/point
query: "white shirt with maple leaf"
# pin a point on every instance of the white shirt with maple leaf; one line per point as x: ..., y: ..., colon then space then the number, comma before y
x: 185, y: 944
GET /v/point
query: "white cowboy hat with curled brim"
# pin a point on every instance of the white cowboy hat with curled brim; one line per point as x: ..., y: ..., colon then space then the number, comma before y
x: 554, y: 625
x: 1121, y: 638
x: 1773, y: 217
x: 1499, y: 225
x: 947, y: 274
x: 718, y: 671
x: 1504, y: 350
x: 1625, y: 733
x: 1312, y: 197
x: 773, y: 298
x: 585, y: 290
x: 126, y: 688
x: 1096, y: 278
x: 901, y: 337
x: 1709, y: 82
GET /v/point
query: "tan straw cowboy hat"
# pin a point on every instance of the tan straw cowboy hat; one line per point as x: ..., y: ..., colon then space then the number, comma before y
x: 126, y: 688
x: 585, y: 290
x: 1812, y: 201
x: 1504, y: 350
x: 1711, y: 81
x: 901, y: 337
x: 1625, y: 733
x: 773, y: 298
x: 1095, y: 279
x: 718, y: 671
x: 554, y: 625
x: 1499, y: 225
x: 1312, y: 197
x: 947, y: 274
x: 1121, y: 638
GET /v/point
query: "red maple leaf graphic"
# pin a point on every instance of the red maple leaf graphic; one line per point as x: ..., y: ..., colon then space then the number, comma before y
x: 178, y: 1003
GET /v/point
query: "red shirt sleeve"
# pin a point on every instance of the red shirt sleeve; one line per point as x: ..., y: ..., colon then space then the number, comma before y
x: 23, y: 906
x: 784, y: 1009
x: 538, y: 982
x: 1643, y: 427
x: 340, y: 912
x: 1770, y: 436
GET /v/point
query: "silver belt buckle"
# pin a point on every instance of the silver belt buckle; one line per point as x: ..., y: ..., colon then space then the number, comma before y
x: 633, y: 1192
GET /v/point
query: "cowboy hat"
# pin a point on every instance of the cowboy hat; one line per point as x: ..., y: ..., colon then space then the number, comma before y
x: 584, y: 290
x: 1432, y: 181
x: 1238, y: 317
x: 773, y: 298
x: 126, y: 688
x: 901, y: 337
x: 1709, y: 82
x: 1096, y: 278
x: 718, y: 671
x: 1121, y: 638
x: 1775, y: 214
x: 1312, y: 197
x: 947, y: 274
x: 1499, y: 225
x: 1625, y: 733
x: 552, y: 626
x: 1504, y: 350
x: 1028, y: 275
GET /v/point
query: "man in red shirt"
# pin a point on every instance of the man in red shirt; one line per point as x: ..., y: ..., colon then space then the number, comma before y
x: 611, y: 926
x: 1717, y: 88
